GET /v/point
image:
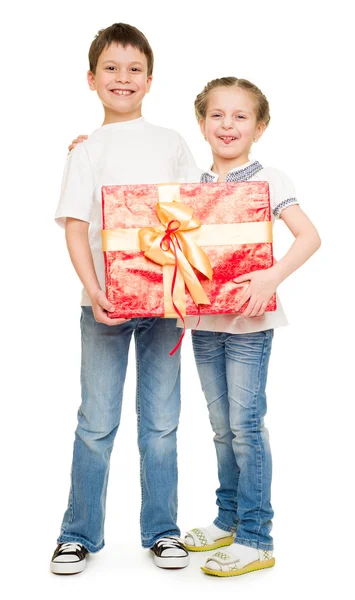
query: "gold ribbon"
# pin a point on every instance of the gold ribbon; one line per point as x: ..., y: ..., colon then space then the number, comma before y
x: 229, y: 234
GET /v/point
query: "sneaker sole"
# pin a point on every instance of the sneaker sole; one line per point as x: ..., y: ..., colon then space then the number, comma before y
x: 68, y: 568
x: 254, y: 566
x: 174, y: 562
x: 227, y: 541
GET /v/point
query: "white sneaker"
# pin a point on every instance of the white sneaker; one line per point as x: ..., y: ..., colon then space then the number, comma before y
x: 170, y: 553
x: 68, y: 559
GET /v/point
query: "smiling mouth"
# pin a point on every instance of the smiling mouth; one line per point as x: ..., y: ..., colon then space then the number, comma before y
x: 227, y: 138
x: 119, y: 92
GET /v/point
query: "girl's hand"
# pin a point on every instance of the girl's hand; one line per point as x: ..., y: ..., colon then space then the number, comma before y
x: 101, y: 306
x: 77, y: 140
x: 261, y: 288
x: 263, y: 284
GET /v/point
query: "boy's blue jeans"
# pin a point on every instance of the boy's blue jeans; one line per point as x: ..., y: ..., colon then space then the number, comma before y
x: 103, y: 371
x: 233, y: 371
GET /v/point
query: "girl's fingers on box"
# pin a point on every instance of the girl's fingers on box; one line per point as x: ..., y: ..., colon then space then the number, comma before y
x: 242, y: 301
x: 249, y: 309
x: 256, y: 309
x: 262, y: 309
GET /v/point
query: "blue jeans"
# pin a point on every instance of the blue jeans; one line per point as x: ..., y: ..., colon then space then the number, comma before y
x: 233, y: 372
x: 103, y: 372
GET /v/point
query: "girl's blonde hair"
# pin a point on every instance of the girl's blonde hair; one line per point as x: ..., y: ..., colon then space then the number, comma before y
x: 262, y: 105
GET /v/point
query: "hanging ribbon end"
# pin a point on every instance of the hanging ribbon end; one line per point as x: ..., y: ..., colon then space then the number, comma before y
x: 179, y: 342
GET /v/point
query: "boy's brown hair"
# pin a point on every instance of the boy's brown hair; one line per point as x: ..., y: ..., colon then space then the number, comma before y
x: 125, y: 35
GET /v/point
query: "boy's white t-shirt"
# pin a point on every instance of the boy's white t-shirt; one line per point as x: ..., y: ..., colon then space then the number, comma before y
x: 282, y: 195
x: 127, y: 153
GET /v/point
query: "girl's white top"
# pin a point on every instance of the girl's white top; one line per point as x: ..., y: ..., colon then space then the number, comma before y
x: 282, y: 195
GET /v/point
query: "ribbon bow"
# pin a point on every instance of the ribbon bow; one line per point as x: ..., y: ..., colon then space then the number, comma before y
x: 173, y: 245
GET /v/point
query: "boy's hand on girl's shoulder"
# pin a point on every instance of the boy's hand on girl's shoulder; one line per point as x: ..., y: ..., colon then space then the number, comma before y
x: 101, y: 306
x: 262, y: 286
x: 77, y: 140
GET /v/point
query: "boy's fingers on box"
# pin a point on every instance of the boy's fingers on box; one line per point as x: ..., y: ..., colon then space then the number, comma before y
x: 106, y: 321
x: 118, y: 321
x: 103, y: 304
x: 102, y: 317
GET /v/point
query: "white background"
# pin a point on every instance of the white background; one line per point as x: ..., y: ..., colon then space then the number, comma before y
x: 299, y: 54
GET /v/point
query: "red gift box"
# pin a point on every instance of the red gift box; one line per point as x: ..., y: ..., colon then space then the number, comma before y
x: 225, y: 227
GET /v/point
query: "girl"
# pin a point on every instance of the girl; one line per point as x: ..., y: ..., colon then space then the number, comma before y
x: 232, y: 352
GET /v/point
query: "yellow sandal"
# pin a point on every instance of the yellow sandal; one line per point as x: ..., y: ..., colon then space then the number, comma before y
x: 225, y: 565
x: 203, y: 541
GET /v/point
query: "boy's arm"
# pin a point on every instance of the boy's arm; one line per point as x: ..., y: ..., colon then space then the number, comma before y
x: 74, y: 213
x: 263, y: 284
x: 76, y: 233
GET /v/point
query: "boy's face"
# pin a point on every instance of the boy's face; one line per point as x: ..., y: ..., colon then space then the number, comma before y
x: 121, y: 82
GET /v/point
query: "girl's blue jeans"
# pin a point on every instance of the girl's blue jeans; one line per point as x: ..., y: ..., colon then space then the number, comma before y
x: 233, y: 372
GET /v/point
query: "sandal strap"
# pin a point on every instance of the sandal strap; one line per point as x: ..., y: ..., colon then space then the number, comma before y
x: 200, y: 536
x: 222, y: 558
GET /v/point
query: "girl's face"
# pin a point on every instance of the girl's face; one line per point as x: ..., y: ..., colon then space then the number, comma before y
x: 230, y: 126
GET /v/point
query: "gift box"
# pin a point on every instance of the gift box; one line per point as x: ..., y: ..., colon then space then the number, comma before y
x: 175, y: 249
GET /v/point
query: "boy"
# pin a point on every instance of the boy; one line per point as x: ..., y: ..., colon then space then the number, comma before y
x: 125, y: 150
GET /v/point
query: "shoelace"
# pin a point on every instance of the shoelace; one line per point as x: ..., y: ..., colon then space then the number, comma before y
x: 70, y: 547
x: 167, y: 541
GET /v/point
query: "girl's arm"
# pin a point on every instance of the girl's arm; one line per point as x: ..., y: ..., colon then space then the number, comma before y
x: 307, y: 242
x: 263, y: 284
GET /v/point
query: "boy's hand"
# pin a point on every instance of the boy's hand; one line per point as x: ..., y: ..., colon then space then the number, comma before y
x: 262, y: 286
x: 101, y: 306
x: 77, y: 140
